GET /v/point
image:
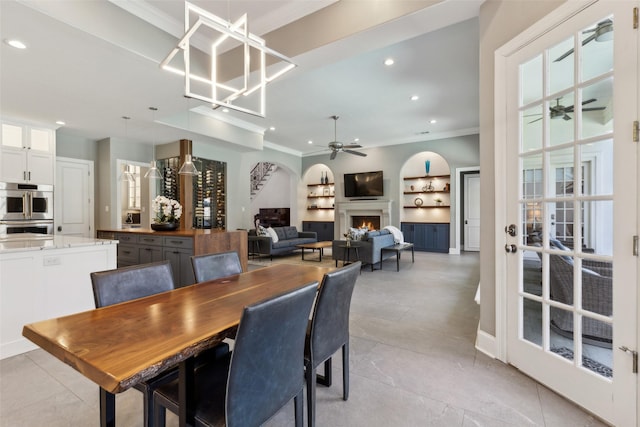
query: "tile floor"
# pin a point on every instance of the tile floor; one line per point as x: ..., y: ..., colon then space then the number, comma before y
x: 413, y: 363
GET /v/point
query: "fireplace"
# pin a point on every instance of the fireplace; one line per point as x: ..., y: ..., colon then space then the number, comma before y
x: 361, y: 221
x: 345, y: 211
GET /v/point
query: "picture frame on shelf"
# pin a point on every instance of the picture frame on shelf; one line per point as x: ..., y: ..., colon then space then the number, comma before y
x: 326, y: 192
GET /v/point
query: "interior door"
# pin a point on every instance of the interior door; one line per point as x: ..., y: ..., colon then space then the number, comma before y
x: 472, y: 212
x: 73, y: 197
x: 572, y: 200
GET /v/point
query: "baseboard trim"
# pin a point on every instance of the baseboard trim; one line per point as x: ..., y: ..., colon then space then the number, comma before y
x: 486, y: 343
x: 454, y: 251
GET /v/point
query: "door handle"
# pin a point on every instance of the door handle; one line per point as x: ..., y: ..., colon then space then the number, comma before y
x: 510, y: 249
x: 511, y: 230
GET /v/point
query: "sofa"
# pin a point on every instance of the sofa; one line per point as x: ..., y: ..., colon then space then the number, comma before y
x: 288, y: 238
x: 368, y: 247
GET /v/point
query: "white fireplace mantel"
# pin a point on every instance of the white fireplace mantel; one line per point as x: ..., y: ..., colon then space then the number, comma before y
x: 346, y: 210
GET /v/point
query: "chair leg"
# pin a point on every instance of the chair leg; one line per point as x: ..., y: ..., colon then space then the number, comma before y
x: 159, y: 415
x: 310, y: 376
x: 147, y: 409
x: 345, y: 371
x: 299, y: 408
x: 325, y: 379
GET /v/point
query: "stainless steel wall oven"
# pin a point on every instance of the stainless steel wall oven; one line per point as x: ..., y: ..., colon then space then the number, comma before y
x: 26, y: 208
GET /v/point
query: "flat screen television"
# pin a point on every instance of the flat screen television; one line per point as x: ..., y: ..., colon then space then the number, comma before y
x: 363, y: 184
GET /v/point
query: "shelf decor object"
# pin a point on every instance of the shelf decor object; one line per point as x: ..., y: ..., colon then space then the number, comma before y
x: 418, y: 201
x: 164, y: 226
x: 427, y: 166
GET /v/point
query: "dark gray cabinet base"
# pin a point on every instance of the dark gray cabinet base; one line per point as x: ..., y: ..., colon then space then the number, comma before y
x: 427, y: 237
x: 324, y: 229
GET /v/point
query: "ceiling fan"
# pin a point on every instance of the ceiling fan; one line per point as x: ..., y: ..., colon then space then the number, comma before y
x: 602, y: 32
x: 560, y: 111
x: 335, y: 146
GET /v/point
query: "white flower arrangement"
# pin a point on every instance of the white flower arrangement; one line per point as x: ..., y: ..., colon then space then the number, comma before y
x: 166, y: 209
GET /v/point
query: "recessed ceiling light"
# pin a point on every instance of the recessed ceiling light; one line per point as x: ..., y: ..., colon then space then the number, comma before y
x: 272, y: 128
x: 415, y: 97
x: 60, y: 122
x: 356, y: 139
x: 225, y: 110
x: 389, y: 61
x: 309, y: 142
x: 433, y: 121
x: 16, y: 43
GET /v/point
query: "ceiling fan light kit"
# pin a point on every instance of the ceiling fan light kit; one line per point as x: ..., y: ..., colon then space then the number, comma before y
x: 335, y: 146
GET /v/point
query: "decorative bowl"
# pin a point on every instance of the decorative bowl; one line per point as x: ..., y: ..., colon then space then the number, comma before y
x: 164, y: 226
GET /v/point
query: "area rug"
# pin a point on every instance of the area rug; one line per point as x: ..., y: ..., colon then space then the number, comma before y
x: 588, y: 363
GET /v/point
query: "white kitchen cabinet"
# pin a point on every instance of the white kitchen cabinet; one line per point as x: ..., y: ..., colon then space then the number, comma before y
x: 46, y: 278
x: 27, y: 153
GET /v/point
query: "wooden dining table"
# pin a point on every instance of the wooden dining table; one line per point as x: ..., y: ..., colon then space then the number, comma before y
x: 120, y: 345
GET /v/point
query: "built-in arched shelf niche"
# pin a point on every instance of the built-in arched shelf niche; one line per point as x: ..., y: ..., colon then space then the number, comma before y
x: 319, y: 188
x: 425, y: 196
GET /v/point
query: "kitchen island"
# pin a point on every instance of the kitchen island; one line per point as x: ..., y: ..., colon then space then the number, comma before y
x: 42, y: 277
x: 140, y: 246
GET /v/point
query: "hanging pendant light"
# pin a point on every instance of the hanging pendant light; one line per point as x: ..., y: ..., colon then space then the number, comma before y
x: 188, y: 168
x: 153, y: 172
x: 126, y: 174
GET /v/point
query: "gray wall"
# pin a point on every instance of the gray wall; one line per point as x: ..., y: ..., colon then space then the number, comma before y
x: 462, y: 151
x: 500, y: 21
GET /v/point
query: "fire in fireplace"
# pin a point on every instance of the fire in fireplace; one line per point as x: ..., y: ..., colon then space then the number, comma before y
x: 371, y: 222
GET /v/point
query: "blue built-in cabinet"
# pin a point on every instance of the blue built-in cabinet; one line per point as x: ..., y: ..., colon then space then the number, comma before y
x: 427, y: 237
x: 323, y: 228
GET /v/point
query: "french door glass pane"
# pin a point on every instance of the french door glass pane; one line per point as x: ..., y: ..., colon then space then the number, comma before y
x: 596, y: 353
x: 532, y: 321
x: 531, y: 74
x: 597, y: 51
x: 561, y: 128
x: 597, y: 227
x: 597, y: 110
x: 531, y: 120
x: 560, y: 70
x: 597, y: 161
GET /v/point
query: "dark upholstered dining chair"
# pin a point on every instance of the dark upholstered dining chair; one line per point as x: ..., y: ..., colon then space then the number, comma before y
x: 213, y: 266
x: 263, y: 373
x: 329, y: 331
x: 138, y: 281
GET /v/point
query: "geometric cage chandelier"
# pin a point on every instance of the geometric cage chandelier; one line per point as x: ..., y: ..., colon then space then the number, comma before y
x: 209, y: 89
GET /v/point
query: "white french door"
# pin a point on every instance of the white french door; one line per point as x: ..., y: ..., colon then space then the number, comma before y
x: 571, y: 186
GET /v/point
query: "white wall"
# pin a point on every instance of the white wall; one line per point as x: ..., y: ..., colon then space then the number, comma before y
x: 500, y: 21
x: 275, y: 193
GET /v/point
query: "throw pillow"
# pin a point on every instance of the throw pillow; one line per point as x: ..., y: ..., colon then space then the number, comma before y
x: 357, y: 233
x: 272, y: 233
x: 261, y: 231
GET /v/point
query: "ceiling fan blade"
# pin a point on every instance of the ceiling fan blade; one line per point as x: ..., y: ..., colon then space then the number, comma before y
x: 564, y: 55
x: 333, y: 155
x: 570, y: 51
x: 533, y: 121
x: 594, y: 109
x: 352, y: 146
x: 566, y: 117
x: 357, y: 153
x: 589, y: 101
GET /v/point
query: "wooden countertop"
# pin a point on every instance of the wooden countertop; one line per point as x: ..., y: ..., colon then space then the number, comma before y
x: 178, y: 233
